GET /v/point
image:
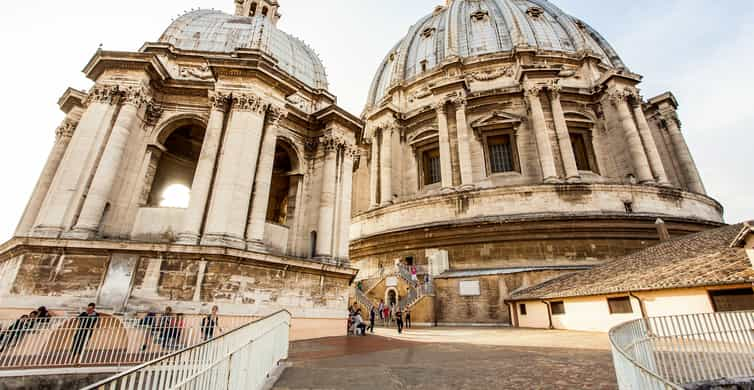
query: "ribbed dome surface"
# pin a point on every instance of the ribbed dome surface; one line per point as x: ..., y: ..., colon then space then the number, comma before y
x: 471, y: 28
x: 215, y: 31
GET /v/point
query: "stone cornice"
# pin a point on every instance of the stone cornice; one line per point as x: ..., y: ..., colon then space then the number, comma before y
x: 335, y: 113
x: 104, y: 60
x: 72, y: 98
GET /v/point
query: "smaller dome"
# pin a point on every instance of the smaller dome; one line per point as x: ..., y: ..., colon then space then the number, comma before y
x: 218, y: 32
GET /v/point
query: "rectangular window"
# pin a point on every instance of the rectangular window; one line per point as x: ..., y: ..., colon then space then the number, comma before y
x: 581, y: 151
x: 558, y: 308
x: 522, y: 308
x: 620, y: 305
x: 431, y: 162
x: 733, y: 300
x: 501, y: 154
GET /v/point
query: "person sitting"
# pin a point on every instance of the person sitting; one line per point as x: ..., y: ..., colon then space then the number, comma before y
x: 359, y: 326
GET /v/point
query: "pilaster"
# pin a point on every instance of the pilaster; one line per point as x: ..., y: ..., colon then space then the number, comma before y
x: 464, y: 148
x: 564, y: 137
x: 544, y: 148
x: 446, y: 166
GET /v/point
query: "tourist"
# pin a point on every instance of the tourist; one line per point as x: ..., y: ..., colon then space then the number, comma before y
x: 408, y: 318
x: 209, y: 323
x: 372, y: 315
x: 148, y: 323
x: 399, y: 320
x: 386, y: 315
x: 166, y: 325
x: 360, y: 285
x: 43, y: 316
x: 86, y: 322
x: 15, y: 333
x: 380, y: 308
x: 359, y: 327
x: 414, y: 277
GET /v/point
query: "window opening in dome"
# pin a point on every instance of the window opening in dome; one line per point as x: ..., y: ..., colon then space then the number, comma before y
x: 283, y: 186
x: 253, y: 9
x: 264, y: 11
x: 176, y: 196
x: 431, y: 167
x: 501, y: 154
x: 424, y: 65
x: 581, y: 142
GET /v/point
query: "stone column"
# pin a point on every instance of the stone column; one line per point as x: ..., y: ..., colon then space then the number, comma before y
x: 464, y: 149
x: 62, y: 139
x: 261, y: 198
x: 109, y: 165
x: 374, y: 172
x: 683, y: 154
x: 191, y: 228
x: 329, y: 146
x: 633, y: 140
x: 653, y: 155
x: 564, y: 138
x: 66, y: 187
x: 229, y: 208
x: 446, y: 166
x: 386, y: 167
x: 540, y: 134
x: 147, y: 172
x: 346, y: 186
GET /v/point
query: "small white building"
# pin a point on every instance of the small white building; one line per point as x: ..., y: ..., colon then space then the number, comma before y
x: 701, y: 273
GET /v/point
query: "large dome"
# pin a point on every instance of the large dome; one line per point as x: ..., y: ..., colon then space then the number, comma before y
x: 470, y: 28
x: 215, y: 31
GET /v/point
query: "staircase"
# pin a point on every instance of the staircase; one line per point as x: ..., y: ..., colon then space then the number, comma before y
x: 363, y: 299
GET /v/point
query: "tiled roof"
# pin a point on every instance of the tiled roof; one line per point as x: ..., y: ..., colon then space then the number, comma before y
x: 702, y: 259
x: 506, y: 271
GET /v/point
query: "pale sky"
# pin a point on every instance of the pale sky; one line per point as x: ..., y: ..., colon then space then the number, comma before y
x: 702, y: 51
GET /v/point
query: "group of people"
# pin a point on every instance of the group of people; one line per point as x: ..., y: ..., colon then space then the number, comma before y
x: 393, y: 313
x: 165, y: 330
x: 25, y: 324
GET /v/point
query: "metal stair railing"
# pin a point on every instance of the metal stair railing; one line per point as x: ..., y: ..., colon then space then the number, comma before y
x: 363, y: 299
x: 240, y: 359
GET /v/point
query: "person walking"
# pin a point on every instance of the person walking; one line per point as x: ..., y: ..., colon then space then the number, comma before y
x: 87, y: 321
x: 414, y: 277
x: 399, y: 320
x: 407, y: 315
x: 381, y: 308
x: 372, y: 315
x: 209, y: 323
x: 148, y: 323
x: 15, y: 332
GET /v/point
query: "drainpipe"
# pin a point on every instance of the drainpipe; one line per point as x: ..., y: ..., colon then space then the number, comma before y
x: 549, y: 313
x: 643, y: 309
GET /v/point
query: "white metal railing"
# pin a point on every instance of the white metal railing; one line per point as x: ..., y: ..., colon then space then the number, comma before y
x: 240, y: 359
x: 69, y: 341
x: 670, y: 352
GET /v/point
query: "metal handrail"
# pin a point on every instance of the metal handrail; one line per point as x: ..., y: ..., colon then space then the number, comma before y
x: 675, y: 351
x: 239, y: 359
x: 71, y: 341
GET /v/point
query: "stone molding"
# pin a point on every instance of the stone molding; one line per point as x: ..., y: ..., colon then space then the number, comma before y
x: 136, y: 96
x: 275, y: 115
x: 249, y: 102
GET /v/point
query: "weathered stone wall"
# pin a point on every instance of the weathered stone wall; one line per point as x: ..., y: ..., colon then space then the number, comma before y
x: 487, y: 308
x: 60, y: 275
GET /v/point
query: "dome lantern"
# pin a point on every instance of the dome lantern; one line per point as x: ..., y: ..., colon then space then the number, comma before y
x: 266, y: 8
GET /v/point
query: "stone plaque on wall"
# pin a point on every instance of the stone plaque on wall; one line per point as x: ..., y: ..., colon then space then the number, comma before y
x: 469, y: 288
x: 391, y: 281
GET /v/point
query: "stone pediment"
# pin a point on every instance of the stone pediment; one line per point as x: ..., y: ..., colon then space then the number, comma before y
x: 496, y: 120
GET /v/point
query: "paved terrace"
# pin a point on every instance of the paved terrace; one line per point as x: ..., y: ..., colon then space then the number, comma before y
x: 445, y: 358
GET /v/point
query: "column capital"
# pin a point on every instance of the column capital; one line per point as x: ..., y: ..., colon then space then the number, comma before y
x: 617, y: 96
x: 106, y: 94
x: 554, y: 89
x: 66, y: 129
x: 219, y: 101
x: 533, y: 90
x: 275, y: 115
x: 439, y: 107
x: 330, y: 142
x: 136, y: 96
x: 248, y: 102
x: 460, y: 102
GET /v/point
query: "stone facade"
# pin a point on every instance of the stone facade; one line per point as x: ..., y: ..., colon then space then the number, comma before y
x: 491, y: 140
x: 195, y: 172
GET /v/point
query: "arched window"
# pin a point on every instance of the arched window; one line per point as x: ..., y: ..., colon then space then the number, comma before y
x: 264, y: 11
x: 253, y: 10
x: 174, y: 174
x: 283, y: 186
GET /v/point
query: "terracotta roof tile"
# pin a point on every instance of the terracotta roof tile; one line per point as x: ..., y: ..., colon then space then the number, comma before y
x: 702, y: 259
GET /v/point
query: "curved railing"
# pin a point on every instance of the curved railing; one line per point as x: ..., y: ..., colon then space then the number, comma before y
x: 676, y: 351
x: 240, y: 359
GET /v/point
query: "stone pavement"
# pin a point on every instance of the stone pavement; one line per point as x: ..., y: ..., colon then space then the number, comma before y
x: 452, y: 359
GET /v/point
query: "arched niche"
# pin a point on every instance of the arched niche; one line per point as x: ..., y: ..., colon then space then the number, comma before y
x: 181, y: 143
x: 284, y: 185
